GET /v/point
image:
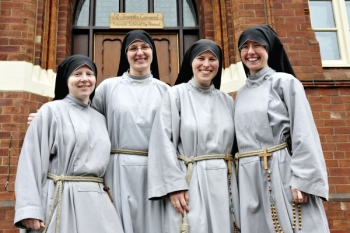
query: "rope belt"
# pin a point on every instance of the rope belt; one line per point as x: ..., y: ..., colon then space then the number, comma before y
x: 266, y: 152
x: 129, y: 152
x: 58, y: 194
x: 184, y: 228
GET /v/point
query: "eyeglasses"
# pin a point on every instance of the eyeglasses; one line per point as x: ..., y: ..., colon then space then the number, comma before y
x: 143, y: 48
x: 255, y: 47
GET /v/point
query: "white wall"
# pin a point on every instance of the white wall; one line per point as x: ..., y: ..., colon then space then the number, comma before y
x: 24, y: 76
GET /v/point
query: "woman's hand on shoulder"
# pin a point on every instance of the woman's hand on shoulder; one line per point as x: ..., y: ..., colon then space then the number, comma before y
x: 179, y: 200
x: 299, y: 196
x: 30, y: 118
x: 32, y: 223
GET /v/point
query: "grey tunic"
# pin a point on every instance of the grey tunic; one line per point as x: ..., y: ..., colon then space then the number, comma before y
x: 270, y: 109
x: 130, y: 104
x: 193, y: 121
x: 67, y: 137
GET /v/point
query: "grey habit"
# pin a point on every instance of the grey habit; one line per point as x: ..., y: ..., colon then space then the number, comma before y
x: 270, y: 109
x: 193, y: 121
x: 67, y: 137
x: 130, y: 104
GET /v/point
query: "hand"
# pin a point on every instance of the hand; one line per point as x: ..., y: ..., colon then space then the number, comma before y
x: 179, y: 200
x: 30, y: 118
x: 32, y: 223
x: 299, y: 196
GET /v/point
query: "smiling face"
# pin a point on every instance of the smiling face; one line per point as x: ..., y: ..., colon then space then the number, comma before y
x: 139, y: 56
x: 82, y: 83
x: 205, y: 67
x: 254, y: 56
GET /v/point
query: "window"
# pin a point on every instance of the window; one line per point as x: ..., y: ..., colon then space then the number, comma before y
x: 167, y: 7
x: 330, y: 19
x: 91, y: 18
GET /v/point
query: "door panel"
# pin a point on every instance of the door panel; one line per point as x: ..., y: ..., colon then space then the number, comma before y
x: 107, y: 54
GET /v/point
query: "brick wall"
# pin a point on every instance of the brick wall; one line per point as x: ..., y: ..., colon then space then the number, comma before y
x: 17, y: 27
x: 14, y: 110
x: 330, y: 107
x: 35, y: 31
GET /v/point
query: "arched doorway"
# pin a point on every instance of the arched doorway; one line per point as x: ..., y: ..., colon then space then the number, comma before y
x: 93, y: 37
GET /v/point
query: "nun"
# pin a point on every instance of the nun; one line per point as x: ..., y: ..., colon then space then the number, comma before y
x: 129, y: 102
x: 281, y: 173
x: 59, y: 183
x: 190, y: 162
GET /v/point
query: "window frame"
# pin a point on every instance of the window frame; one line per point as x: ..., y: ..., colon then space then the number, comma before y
x: 343, y: 34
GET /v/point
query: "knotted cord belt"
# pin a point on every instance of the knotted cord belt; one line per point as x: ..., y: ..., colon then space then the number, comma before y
x: 58, y: 194
x: 261, y: 153
x: 129, y: 152
x: 185, y: 227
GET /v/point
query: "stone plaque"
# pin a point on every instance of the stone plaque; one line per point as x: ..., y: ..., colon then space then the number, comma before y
x: 136, y: 20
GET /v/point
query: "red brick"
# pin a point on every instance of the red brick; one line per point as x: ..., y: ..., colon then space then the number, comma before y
x: 335, y: 214
x: 337, y: 138
x: 344, y: 91
x: 342, y: 130
x: 11, y: 5
x: 343, y: 189
x: 316, y: 115
x: 10, y: 127
x: 19, y: 119
x: 339, y: 172
x: 5, y: 118
x: 331, y: 163
x: 10, y: 20
x: 333, y: 205
x: 326, y: 130
x: 8, y: 196
x: 339, y: 155
x: 338, y: 180
x: 10, y: 214
x: 343, y: 147
x: 6, y: 102
x: 11, y: 231
x: 334, y: 123
x: 11, y: 94
x: 19, y: 27
x: 26, y: 103
x: 319, y: 100
x: 319, y: 123
x: 340, y: 99
x: 4, y: 41
x: 6, y: 224
x: 328, y: 92
x: 13, y: 110
x: 334, y: 107
x: 344, y: 163
x: 328, y: 146
x: 328, y: 155
x: 23, y: 13
x: 10, y: 49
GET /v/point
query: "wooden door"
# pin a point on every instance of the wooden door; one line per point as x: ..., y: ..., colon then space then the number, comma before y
x: 107, y: 54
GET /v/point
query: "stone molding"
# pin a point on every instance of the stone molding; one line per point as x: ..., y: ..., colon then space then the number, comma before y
x: 24, y: 76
